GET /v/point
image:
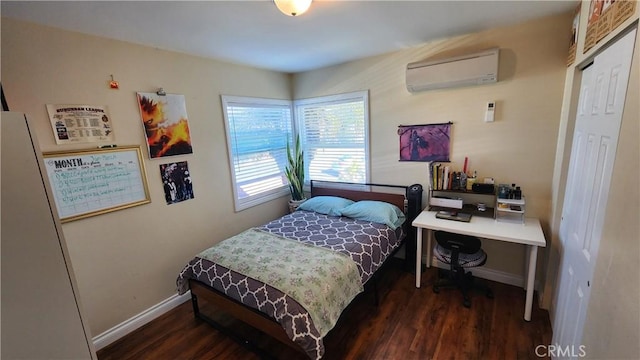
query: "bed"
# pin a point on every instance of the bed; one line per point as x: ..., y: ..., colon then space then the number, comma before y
x: 272, y: 276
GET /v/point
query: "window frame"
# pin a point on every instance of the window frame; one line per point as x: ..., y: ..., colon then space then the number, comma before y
x: 252, y: 200
x: 331, y: 99
x: 297, y: 127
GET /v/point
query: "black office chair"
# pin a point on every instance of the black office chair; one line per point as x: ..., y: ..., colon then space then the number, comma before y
x: 460, y: 252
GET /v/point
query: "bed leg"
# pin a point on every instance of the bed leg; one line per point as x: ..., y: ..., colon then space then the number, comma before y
x: 246, y: 343
x: 375, y: 291
x: 194, y: 304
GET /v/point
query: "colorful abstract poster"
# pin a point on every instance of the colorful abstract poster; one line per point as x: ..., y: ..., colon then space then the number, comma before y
x: 177, y: 183
x: 429, y: 142
x: 165, y: 124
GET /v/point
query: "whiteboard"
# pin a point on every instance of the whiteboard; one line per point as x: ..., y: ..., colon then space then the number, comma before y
x: 92, y: 182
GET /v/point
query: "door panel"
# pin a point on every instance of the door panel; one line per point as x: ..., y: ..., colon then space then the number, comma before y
x: 598, y: 121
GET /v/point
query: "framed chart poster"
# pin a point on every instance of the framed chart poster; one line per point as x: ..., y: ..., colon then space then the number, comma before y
x: 80, y: 123
x: 92, y: 182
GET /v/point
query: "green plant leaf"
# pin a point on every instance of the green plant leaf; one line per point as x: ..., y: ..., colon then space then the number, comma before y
x: 295, y: 169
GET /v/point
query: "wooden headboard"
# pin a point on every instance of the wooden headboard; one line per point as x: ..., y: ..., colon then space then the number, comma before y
x: 357, y: 192
x: 407, y: 198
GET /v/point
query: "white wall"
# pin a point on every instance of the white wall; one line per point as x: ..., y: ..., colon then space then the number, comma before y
x: 518, y: 147
x: 127, y: 261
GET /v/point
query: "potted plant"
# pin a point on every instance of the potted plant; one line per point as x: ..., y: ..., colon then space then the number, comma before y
x: 295, y: 174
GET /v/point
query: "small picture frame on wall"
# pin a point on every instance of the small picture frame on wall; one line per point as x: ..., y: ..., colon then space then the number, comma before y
x: 429, y: 142
x: 177, y: 182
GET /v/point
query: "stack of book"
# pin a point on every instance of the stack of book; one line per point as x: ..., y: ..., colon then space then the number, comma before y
x: 444, y: 177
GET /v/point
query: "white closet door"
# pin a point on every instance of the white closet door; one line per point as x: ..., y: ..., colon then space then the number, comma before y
x: 595, y: 139
x: 40, y: 315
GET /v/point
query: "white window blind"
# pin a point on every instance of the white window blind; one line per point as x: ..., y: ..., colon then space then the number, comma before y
x: 334, y: 131
x: 257, y: 134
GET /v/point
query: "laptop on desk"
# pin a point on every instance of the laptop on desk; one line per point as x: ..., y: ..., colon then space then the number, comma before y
x: 453, y: 215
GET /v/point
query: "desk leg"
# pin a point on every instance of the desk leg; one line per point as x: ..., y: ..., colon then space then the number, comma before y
x: 418, y: 256
x: 531, y: 275
x: 429, y: 247
x: 527, y: 255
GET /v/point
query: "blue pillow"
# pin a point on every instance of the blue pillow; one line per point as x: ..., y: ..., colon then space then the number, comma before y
x: 375, y: 211
x: 328, y: 205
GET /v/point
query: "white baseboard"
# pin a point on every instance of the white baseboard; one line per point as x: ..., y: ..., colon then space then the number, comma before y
x: 139, y: 320
x: 497, y: 276
x: 489, y: 274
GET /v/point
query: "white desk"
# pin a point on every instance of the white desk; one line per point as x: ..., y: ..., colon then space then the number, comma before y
x: 529, y: 233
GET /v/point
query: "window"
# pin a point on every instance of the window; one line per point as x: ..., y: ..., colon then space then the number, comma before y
x: 335, y: 134
x: 257, y: 134
x: 333, y: 131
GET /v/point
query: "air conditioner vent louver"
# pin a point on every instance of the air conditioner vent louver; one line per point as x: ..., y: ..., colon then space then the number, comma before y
x: 473, y: 69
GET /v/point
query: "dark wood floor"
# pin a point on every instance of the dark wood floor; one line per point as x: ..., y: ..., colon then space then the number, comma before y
x: 408, y: 324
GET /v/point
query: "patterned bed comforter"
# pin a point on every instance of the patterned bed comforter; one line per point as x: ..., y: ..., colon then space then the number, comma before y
x: 367, y: 244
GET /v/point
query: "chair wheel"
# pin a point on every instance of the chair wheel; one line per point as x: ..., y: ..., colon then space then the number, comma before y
x: 466, y: 303
x: 436, y: 289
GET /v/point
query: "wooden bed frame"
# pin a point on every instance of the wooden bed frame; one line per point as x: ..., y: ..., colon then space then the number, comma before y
x: 410, y: 202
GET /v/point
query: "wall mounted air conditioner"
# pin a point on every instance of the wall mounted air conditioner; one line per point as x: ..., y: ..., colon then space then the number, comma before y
x: 473, y: 69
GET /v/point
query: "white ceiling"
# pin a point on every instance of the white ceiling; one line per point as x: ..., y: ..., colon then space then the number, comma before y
x: 255, y: 33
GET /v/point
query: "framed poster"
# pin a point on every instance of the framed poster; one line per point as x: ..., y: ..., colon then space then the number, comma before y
x: 177, y: 182
x: 165, y: 122
x: 430, y: 142
x: 92, y: 182
x: 74, y: 124
x: 573, y: 45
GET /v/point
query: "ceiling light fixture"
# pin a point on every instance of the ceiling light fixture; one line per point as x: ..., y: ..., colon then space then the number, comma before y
x: 293, y: 7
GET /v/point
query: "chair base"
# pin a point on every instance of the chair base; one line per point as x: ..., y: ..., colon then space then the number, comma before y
x: 464, y: 281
